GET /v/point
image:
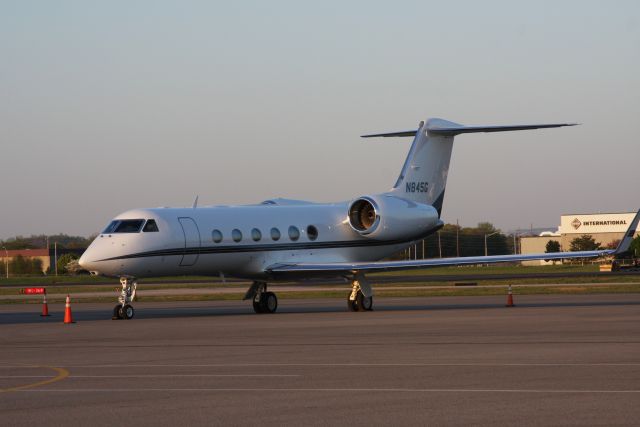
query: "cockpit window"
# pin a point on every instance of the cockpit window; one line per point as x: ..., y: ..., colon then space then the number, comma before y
x: 124, y: 226
x: 150, y: 226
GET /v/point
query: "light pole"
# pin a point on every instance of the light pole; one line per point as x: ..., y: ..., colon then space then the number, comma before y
x: 55, y: 256
x: 457, y: 239
x: 6, y: 261
x: 485, y: 241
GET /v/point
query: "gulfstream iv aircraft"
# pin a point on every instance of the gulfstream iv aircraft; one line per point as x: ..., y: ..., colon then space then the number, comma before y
x: 281, y: 239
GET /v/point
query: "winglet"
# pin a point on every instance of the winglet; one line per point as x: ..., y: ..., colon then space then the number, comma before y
x: 628, y: 236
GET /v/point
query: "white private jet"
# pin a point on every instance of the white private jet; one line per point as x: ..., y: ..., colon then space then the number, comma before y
x: 280, y: 239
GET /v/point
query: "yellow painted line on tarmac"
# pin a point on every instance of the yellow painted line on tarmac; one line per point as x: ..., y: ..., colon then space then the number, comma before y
x: 62, y: 374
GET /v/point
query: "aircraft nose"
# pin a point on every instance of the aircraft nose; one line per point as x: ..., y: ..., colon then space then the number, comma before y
x: 85, y: 260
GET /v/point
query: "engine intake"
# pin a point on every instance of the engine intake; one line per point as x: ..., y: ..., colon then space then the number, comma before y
x: 363, y: 216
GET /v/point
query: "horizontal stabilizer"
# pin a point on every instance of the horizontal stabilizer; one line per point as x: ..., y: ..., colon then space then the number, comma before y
x: 447, y: 128
x: 456, y: 130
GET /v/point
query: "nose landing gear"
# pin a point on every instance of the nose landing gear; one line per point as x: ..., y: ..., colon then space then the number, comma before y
x: 124, y: 309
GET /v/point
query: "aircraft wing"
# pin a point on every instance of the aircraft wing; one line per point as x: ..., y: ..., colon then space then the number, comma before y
x: 339, y: 268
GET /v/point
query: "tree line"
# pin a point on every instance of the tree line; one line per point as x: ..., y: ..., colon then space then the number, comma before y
x: 36, y: 241
x: 20, y: 265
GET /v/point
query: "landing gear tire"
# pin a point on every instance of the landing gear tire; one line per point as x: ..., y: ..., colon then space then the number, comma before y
x: 366, y: 304
x: 268, y: 303
x: 128, y: 312
x: 117, y: 314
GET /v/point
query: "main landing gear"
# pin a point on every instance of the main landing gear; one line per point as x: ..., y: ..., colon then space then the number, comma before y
x: 124, y: 309
x: 361, y: 296
x: 263, y: 301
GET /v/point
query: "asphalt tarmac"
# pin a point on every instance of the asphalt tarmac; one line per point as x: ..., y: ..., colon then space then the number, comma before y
x: 551, y: 360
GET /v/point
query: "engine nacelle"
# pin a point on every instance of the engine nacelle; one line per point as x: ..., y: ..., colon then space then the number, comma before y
x: 386, y: 217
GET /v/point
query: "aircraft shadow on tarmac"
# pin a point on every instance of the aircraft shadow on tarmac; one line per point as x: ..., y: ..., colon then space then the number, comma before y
x: 93, y: 314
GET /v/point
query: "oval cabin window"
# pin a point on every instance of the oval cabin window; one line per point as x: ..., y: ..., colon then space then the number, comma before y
x: 294, y: 233
x: 275, y: 234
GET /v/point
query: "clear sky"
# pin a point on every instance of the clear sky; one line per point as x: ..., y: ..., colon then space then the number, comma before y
x: 107, y: 106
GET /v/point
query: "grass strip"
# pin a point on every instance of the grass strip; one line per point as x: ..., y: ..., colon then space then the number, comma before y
x: 420, y: 292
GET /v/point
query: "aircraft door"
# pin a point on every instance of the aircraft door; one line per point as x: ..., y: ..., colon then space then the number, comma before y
x: 191, y: 241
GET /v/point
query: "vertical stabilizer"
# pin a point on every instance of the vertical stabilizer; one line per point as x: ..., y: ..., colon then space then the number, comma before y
x: 424, y: 175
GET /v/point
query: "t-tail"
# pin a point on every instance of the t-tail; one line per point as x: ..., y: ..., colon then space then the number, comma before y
x: 424, y: 175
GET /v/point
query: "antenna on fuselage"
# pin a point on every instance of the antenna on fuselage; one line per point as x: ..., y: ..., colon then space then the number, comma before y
x: 195, y: 203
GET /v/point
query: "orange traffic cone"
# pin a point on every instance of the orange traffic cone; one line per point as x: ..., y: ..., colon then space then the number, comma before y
x: 67, y: 312
x: 510, y: 298
x: 45, y: 307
